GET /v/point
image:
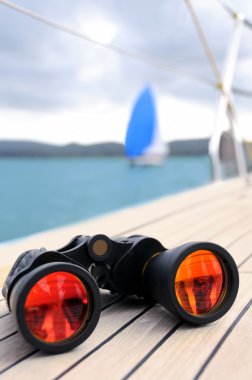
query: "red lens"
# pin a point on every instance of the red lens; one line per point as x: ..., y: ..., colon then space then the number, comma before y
x: 199, y: 282
x: 56, y: 307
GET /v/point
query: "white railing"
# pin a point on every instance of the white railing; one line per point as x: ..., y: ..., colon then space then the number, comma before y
x: 226, y: 107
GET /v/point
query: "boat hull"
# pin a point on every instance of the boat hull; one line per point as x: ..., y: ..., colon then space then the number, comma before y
x: 148, y: 160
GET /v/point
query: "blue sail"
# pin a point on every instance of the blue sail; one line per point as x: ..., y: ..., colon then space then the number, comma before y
x: 142, y: 124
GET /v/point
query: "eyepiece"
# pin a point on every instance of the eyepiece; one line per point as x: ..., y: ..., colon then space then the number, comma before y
x: 198, y: 282
x: 57, y: 306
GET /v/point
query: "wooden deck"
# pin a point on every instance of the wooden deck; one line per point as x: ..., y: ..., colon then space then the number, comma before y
x: 134, y: 340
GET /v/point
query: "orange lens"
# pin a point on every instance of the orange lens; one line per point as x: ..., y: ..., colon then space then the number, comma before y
x: 56, y: 307
x: 199, y: 282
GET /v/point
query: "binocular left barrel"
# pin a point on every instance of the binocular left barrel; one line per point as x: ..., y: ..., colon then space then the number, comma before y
x: 56, y: 305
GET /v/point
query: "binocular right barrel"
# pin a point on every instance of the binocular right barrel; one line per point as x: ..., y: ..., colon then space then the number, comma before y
x: 198, y: 282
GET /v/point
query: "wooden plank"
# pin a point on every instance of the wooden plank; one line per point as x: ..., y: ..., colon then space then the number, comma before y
x: 127, y: 348
x: 183, y: 354
x: 235, y: 347
x: 230, y: 234
x: 112, y: 321
x: 7, y: 327
x: 246, y: 265
x: 214, y: 223
x: 187, y: 217
x: 216, y: 205
x: 12, y: 350
x: 3, y: 309
x: 173, y: 231
x: 212, y: 229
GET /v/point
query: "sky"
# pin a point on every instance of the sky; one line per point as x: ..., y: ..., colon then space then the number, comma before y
x: 57, y: 88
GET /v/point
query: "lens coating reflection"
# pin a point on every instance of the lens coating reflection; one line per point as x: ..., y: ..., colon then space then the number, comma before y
x: 56, y: 307
x: 199, y: 282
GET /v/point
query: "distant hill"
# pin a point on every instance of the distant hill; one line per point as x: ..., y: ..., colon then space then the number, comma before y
x: 36, y: 149
x: 12, y: 148
x: 196, y: 147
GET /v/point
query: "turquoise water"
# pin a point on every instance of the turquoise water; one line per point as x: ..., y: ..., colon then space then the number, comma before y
x: 39, y: 194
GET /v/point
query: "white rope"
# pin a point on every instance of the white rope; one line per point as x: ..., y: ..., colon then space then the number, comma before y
x: 133, y: 55
x: 210, y: 56
x: 203, y: 41
x: 242, y: 92
x: 234, y: 14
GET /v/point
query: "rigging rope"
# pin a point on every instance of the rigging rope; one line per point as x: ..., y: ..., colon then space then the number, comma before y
x: 228, y: 9
x: 203, y: 40
x: 130, y: 54
x: 133, y: 55
x: 211, y: 58
x: 242, y: 92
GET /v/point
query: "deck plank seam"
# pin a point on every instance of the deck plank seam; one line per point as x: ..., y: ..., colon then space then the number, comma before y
x: 223, y: 230
x: 18, y: 361
x: 175, y: 212
x: 245, y: 271
x: 33, y: 352
x: 223, y: 339
x: 240, y: 236
x: 120, y: 298
x: 105, y: 341
x: 8, y: 336
x: 245, y: 260
x: 233, y: 223
x: 190, y: 220
x: 4, y: 315
x: 153, y: 350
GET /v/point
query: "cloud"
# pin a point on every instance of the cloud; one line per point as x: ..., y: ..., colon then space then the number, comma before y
x: 42, y: 68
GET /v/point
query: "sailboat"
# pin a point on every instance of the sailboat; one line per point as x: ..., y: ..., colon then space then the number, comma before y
x: 143, y: 144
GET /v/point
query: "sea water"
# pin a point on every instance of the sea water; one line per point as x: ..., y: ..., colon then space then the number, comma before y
x: 39, y: 194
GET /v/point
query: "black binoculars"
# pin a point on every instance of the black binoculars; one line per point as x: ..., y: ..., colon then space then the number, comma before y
x: 55, y: 298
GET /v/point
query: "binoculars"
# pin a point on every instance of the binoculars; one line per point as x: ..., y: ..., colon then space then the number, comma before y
x: 54, y: 295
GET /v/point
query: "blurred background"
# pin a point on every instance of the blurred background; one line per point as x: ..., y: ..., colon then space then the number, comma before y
x: 104, y: 105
